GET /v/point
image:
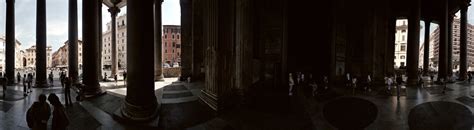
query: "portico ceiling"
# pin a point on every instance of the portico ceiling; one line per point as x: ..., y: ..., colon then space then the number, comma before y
x: 118, y: 3
x: 430, y: 9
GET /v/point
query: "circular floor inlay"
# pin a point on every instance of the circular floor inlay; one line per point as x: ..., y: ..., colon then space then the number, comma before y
x: 350, y: 113
x: 440, y: 115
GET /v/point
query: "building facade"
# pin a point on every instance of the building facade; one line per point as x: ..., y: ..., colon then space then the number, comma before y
x: 121, y: 44
x: 434, y: 42
x: 401, y: 36
x: 30, y: 57
x: 18, y: 54
x: 171, y: 45
x: 60, y: 57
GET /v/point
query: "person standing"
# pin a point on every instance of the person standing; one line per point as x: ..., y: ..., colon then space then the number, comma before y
x: 291, y: 83
x: 51, y: 78
x: 469, y: 77
x: 38, y: 114
x: 67, y: 91
x: 30, y: 80
x: 25, y: 93
x: 399, y: 85
x: 18, y: 77
x: 60, y: 119
x: 125, y: 77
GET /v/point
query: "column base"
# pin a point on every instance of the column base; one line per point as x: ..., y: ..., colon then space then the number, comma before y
x: 94, y: 93
x: 138, y: 114
x: 159, y: 78
x: 210, y: 99
x: 41, y: 84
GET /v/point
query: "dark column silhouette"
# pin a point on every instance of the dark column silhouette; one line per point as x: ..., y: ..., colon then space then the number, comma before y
x: 41, y: 44
x: 90, y: 48
x: 463, y: 45
x: 413, y: 43
x: 10, y: 41
x: 140, y: 102
x: 426, y: 51
x: 72, y: 36
x: 186, y: 41
x: 443, y: 41
x: 158, y: 44
x: 450, y: 47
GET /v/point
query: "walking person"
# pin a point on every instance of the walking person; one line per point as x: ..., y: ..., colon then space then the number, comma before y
x: 30, y: 80
x: 443, y: 83
x: 38, y: 114
x: 18, y: 77
x: 125, y: 77
x: 469, y: 77
x: 67, y: 91
x: 354, y: 84
x: 399, y: 85
x: 369, y: 83
x: 25, y: 87
x: 51, y: 78
x: 291, y: 83
x: 60, y: 119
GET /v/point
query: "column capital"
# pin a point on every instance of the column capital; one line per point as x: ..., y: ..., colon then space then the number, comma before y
x: 114, y: 10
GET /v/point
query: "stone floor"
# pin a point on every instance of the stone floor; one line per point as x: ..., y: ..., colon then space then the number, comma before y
x: 418, y: 108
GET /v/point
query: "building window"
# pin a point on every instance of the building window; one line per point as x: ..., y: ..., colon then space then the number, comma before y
x: 172, y: 36
x: 174, y: 44
x: 403, y: 37
x: 402, y: 57
x: 166, y: 44
x: 402, y: 63
x: 404, y: 31
x: 166, y: 51
x: 402, y: 48
x: 177, y: 36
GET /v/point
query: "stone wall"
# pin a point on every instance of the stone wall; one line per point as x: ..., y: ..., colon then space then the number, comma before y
x: 172, y: 72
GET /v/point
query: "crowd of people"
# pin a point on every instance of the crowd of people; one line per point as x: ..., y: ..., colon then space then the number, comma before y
x: 38, y: 114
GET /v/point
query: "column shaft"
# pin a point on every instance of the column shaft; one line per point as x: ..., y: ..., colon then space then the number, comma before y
x: 113, y: 13
x: 41, y: 43
x: 10, y: 41
x: 186, y: 41
x: 140, y: 102
x: 158, y: 44
x: 450, y: 47
x: 90, y: 48
x: 413, y: 43
x: 197, y: 42
x: 463, y: 44
x: 73, y: 44
x: 101, y: 40
x: 443, y: 42
x: 426, y: 51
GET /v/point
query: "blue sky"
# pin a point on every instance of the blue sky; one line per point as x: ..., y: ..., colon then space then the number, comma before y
x: 57, y: 20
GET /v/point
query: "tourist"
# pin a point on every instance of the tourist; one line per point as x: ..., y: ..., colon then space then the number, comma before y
x: 18, y: 77
x: 3, y: 82
x: 38, y: 114
x: 105, y: 76
x: 443, y: 83
x: 354, y: 84
x: 348, y: 79
x: 60, y: 119
x: 326, y: 82
x: 399, y: 80
x: 469, y: 77
x: 291, y: 84
x: 67, y: 91
x: 30, y: 80
x: 369, y: 83
x: 51, y: 78
x: 125, y: 77
x: 313, y: 85
x: 25, y: 93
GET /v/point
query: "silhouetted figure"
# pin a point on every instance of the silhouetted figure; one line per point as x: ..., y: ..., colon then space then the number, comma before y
x: 60, y: 119
x: 25, y: 87
x: 105, y: 76
x: 443, y: 82
x: 18, y: 77
x: 50, y: 77
x: 399, y: 85
x: 67, y: 91
x: 291, y: 83
x: 38, y: 114
x: 4, y: 84
x: 30, y: 80
x: 115, y: 78
x: 125, y: 77
x: 469, y: 77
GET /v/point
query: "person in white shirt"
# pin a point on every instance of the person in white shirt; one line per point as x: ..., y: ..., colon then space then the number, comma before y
x: 291, y: 83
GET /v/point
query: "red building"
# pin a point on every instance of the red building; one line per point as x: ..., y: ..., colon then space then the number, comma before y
x: 171, y: 45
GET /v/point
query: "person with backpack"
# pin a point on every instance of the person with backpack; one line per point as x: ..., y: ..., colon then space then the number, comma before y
x: 38, y: 114
x: 60, y: 119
